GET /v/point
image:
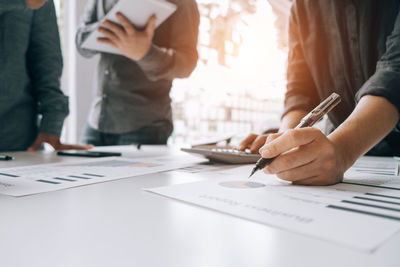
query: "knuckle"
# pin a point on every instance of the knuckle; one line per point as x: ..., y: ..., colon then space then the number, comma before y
x: 285, y: 176
x: 272, y: 136
x: 301, y: 149
x: 247, y: 139
x: 291, y: 133
x: 263, y: 138
x: 272, y: 168
x: 284, y: 162
x: 256, y: 139
x: 259, y: 140
x: 317, y: 132
x: 295, y: 135
x: 243, y: 144
x: 272, y: 148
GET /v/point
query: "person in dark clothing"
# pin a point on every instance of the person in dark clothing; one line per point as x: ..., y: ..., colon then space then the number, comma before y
x: 30, y: 72
x: 132, y: 102
x: 351, y: 48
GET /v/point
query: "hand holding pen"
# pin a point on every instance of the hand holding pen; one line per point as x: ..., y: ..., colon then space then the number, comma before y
x: 303, y: 155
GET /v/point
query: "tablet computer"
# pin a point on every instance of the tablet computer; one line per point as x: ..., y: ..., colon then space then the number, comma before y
x: 138, y: 12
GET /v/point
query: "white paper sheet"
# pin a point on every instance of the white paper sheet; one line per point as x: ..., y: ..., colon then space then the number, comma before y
x: 359, y: 217
x: 374, y: 165
x: 21, y: 181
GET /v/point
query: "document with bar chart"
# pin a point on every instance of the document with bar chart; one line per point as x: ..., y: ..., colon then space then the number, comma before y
x: 360, y: 214
x: 21, y: 181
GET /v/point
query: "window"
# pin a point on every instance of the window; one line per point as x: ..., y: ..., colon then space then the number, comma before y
x: 239, y: 81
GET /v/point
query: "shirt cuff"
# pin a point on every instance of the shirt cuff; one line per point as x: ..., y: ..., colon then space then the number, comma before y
x: 384, y: 84
x: 153, y: 62
x: 82, y: 35
x: 52, y: 124
x: 148, y: 59
x: 154, y: 57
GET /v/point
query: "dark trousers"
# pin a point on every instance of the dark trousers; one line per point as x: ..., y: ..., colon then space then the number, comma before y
x: 149, y: 135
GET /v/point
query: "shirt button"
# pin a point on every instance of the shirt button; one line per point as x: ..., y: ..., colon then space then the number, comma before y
x: 104, y: 96
x: 106, y: 72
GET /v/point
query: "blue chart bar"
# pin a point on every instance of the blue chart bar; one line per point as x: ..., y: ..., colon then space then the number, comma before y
x: 64, y: 179
x: 8, y: 175
x: 364, y: 212
x: 380, y: 195
x: 370, y: 205
x: 91, y: 174
x: 79, y: 177
x: 370, y: 185
x: 377, y: 200
x: 47, y: 182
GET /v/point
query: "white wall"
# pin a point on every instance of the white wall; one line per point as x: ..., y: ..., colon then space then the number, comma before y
x: 78, y: 73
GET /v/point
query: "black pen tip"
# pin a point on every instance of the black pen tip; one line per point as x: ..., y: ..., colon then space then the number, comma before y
x: 252, y: 172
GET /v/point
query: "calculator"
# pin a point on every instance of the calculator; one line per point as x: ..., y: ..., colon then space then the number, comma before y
x: 223, y: 154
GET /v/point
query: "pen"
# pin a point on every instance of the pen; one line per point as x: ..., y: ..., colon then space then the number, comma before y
x: 6, y: 158
x: 309, y: 120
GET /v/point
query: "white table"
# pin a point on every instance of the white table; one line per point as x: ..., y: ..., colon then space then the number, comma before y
x: 118, y: 224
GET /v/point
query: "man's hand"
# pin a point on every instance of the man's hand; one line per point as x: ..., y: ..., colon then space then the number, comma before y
x: 253, y: 142
x: 35, y: 4
x: 132, y: 43
x: 305, y: 156
x: 54, y: 141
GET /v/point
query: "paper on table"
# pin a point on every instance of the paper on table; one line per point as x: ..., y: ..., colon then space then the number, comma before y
x: 374, y: 165
x: 349, y: 215
x: 138, y: 12
x: 21, y: 181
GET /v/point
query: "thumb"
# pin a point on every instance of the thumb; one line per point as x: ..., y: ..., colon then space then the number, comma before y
x: 36, y: 145
x: 151, y: 25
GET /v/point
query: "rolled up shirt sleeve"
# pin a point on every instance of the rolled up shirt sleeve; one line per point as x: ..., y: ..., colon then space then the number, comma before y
x: 10, y: 5
x: 180, y: 59
x: 386, y: 80
x: 301, y: 92
x: 88, y: 24
x: 45, y: 68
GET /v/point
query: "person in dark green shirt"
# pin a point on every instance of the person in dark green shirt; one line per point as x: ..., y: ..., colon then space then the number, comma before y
x: 32, y: 106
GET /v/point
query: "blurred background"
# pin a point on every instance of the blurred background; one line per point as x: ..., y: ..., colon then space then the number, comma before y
x: 237, y: 87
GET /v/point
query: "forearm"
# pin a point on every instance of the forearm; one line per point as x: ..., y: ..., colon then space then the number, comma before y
x: 44, y: 61
x: 177, y: 58
x: 163, y: 63
x: 355, y: 136
x: 291, y: 119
